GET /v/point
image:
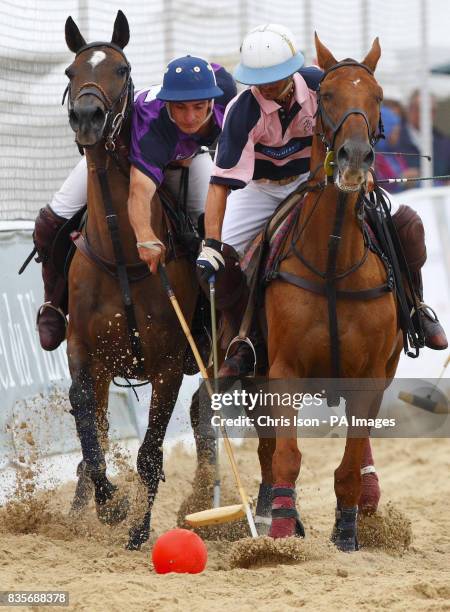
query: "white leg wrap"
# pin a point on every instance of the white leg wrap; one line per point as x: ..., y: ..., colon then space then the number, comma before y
x: 369, y: 469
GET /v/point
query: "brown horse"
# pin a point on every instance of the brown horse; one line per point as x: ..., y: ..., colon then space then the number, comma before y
x: 100, y: 343
x: 313, y: 330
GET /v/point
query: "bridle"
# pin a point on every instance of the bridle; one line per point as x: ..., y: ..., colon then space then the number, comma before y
x: 328, y: 124
x: 112, y: 124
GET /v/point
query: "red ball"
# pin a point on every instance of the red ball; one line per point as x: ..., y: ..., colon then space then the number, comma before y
x: 181, y: 551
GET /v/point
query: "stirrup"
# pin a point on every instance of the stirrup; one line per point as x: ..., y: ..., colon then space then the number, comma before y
x: 50, y: 305
x: 245, y: 340
x: 427, y: 310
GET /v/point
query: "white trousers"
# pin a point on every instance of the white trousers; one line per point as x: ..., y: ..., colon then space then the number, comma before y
x: 249, y: 209
x: 73, y: 193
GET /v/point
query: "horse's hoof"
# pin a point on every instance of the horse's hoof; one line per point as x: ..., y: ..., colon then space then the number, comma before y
x: 82, y: 496
x: 136, y: 538
x: 263, y: 524
x: 133, y: 545
x: 344, y: 531
x: 138, y: 535
x: 113, y: 511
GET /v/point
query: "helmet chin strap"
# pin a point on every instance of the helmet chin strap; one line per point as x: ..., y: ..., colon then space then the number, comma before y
x: 287, y: 89
x: 207, y: 118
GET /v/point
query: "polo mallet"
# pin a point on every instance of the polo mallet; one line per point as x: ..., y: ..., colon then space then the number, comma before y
x: 426, y: 403
x: 212, y: 301
x: 224, y: 514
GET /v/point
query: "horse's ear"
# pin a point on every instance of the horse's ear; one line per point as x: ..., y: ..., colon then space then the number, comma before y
x: 371, y: 59
x: 121, y: 34
x: 325, y: 58
x: 74, y: 39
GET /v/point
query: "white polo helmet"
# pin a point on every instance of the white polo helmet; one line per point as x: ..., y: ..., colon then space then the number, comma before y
x: 268, y: 54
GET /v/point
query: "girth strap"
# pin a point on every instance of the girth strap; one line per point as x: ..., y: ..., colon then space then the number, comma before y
x: 330, y: 277
x: 136, y: 272
x: 113, y: 226
x: 320, y: 289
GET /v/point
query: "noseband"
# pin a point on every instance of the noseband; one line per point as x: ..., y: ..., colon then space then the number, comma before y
x: 95, y: 89
x: 327, y: 122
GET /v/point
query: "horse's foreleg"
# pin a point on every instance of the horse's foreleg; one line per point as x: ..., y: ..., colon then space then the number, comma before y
x: 85, y: 486
x: 205, y: 440
x: 370, y: 487
x: 84, y: 401
x: 286, y: 462
x: 263, y: 515
x: 285, y: 468
x: 347, y: 486
x: 150, y: 455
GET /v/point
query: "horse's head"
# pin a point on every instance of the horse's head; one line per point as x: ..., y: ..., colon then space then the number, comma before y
x: 100, y: 85
x: 348, y: 115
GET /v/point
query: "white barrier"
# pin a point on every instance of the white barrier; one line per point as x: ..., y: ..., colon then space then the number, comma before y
x: 33, y: 382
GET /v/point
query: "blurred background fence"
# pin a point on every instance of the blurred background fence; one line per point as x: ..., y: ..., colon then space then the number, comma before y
x: 36, y: 143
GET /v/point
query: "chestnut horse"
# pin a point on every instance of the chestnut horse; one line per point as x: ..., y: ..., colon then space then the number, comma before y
x: 100, y: 343
x: 314, y: 330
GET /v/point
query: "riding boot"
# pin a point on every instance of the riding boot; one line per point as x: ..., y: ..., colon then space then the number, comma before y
x: 412, y: 237
x: 231, y: 300
x: 434, y: 334
x: 51, y: 320
x: 245, y: 356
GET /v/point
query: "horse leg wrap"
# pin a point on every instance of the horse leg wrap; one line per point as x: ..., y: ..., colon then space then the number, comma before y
x: 285, y: 519
x: 263, y: 515
x: 370, y: 488
x: 82, y: 399
x: 344, y: 533
x: 150, y: 469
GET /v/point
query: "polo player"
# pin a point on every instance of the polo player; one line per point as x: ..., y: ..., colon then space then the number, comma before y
x: 170, y: 125
x: 263, y: 155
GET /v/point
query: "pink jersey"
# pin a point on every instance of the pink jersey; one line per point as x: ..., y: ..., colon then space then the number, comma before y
x: 260, y: 140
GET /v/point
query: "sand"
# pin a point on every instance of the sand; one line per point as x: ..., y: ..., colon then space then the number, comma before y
x: 404, y: 564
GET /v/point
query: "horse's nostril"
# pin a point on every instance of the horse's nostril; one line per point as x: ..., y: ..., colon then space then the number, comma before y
x: 369, y: 158
x: 342, y: 156
x: 73, y: 118
x: 98, y: 116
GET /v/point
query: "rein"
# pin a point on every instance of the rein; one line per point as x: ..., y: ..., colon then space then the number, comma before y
x: 95, y: 89
x: 328, y: 288
x: 327, y: 122
x: 124, y: 98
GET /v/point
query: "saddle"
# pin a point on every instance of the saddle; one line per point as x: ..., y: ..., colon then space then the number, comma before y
x: 181, y: 239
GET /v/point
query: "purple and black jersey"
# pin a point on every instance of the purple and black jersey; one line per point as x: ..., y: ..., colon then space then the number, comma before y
x: 156, y: 141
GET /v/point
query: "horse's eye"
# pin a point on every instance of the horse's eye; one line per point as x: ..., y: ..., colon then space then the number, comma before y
x: 122, y: 70
x: 326, y: 96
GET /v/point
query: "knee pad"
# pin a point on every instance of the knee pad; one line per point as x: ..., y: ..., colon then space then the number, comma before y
x: 411, y: 233
x: 46, y: 226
